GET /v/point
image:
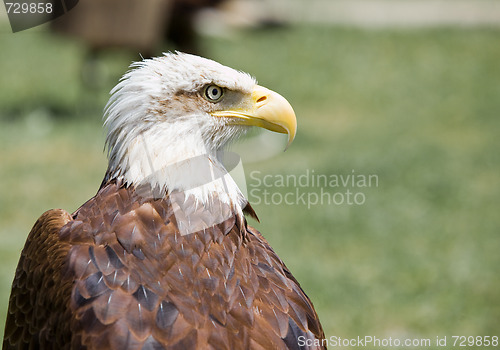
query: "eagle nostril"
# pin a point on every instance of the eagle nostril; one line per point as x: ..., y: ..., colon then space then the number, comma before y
x: 262, y: 99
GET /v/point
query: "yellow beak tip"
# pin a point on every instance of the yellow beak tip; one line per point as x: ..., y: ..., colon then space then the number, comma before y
x: 276, y: 113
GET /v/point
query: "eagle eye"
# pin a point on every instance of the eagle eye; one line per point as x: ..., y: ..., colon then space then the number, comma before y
x: 213, y: 93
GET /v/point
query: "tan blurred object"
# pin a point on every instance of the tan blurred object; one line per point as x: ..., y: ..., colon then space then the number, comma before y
x: 141, y: 26
x: 134, y: 24
x: 137, y: 24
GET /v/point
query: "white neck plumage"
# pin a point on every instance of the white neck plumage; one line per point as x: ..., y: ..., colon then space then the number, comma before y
x: 169, y: 160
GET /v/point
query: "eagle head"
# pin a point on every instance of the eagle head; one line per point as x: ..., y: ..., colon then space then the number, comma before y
x: 169, y: 117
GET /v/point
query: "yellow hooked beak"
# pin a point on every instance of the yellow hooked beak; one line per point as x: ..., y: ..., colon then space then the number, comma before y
x: 268, y: 110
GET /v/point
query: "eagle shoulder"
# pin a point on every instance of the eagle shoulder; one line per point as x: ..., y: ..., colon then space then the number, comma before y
x: 31, y: 320
x: 286, y: 312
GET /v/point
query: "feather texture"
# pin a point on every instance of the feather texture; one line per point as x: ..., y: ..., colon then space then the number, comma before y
x: 118, y: 275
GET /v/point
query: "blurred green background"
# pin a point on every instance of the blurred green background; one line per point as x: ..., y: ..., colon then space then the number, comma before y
x: 419, y: 108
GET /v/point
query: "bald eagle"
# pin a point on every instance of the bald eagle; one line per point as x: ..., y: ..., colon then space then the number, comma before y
x: 162, y: 256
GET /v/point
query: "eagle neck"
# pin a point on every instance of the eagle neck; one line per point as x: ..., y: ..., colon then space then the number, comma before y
x: 170, y: 164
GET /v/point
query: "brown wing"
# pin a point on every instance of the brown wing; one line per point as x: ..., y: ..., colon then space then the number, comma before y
x: 35, y: 319
x: 289, y: 315
x: 140, y: 284
x: 119, y: 275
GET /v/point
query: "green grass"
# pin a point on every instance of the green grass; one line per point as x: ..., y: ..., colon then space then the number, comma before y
x: 419, y: 109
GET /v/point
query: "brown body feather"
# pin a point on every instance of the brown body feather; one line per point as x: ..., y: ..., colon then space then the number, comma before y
x: 117, y: 274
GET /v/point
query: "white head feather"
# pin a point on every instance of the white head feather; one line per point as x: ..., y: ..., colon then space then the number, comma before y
x: 160, y: 131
